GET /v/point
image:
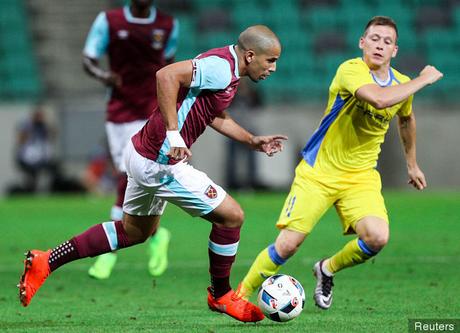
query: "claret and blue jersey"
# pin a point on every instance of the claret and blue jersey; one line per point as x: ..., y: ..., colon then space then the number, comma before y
x: 214, y: 84
x: 136, y: 48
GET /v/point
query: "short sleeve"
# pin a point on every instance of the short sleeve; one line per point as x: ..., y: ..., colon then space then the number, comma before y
x: 171, y: 44
x: 98, y: 37
x: 212, y: 73
x: 352, y: 75
x: 406, y: 108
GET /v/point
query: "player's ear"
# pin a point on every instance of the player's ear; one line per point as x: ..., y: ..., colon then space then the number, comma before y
x: 249, y: 55
x: 361, y: 43
x: 395, y: 51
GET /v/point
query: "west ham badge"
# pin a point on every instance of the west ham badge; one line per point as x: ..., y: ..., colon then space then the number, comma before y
x: 158, y: 38
x: 211, y: 192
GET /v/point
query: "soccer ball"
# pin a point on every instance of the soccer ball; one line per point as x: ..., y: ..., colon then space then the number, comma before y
x: 281, y: 297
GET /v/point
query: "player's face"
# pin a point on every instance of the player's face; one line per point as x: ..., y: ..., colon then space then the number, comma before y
x: 261, y: 65
x: 142, y: 3
x: 378, y: 45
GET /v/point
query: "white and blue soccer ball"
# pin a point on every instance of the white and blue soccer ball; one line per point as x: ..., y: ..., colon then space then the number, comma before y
x: 281, y: 298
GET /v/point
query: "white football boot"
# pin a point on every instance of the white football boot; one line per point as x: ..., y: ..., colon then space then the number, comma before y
x: 324, y: 284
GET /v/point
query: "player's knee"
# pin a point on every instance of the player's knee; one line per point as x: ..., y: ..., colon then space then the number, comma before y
x: 377, y: 241
x: 138, y: 229
x: 138, y: 239
x: 286, y: 247
x: 233, y: 218
x: 136, y: 236
x: 236, y: 217
x: 288, y: 242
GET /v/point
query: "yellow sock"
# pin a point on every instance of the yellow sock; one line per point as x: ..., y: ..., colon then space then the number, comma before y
x: 353, y: 253
x: 262, y: 268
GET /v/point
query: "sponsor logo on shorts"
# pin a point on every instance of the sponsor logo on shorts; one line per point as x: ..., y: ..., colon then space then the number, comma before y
x: 211, y: 192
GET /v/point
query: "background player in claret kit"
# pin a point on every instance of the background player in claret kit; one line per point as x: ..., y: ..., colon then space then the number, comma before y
x: 139, y: 40
x: 192, y: 94
x: 339, y: 160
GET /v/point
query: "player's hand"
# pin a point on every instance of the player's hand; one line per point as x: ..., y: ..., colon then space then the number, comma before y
x: 270, y: 144
x: 179, y: 154
x: 431, y: 74
x: 113, y: 80
x: 416, y: 178
x: 178, y: 150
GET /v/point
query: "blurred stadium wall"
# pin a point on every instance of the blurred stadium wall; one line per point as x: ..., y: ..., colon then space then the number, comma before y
x: 40, y: 62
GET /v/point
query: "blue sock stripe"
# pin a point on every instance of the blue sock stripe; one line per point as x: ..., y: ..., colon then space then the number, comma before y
x: 274, y: 256
x: 226, y: 250
x: 111, y: 233
x: 363, y: 246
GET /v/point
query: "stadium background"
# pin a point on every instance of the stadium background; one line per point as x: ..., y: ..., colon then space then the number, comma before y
x: 40, y: 63
x: 41, y: 44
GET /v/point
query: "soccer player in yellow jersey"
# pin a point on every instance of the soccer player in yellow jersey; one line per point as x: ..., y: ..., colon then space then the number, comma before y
x: 339, y: 160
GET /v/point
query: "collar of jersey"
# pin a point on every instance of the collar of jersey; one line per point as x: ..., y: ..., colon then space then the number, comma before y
x: 148, y: 20
x: 385, y: 83
x: 232, y: 51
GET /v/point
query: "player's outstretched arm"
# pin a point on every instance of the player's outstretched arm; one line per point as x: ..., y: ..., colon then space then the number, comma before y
x: 270, y: 145
x: 383, y: 97
x: 169, y: 80
x: 407, y: 132
x: 91, y: 66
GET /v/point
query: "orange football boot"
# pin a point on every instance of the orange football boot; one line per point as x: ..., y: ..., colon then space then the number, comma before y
x: 235, y: 306
x: 36, y: 270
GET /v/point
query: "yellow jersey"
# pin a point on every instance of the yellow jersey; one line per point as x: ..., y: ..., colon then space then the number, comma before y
x: 349, y: 136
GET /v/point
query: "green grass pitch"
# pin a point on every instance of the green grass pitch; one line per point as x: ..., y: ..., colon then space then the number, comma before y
x: 415, y: 276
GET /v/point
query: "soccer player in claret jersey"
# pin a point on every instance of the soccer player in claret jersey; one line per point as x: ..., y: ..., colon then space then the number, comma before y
x: 339, y: 160
x: 139, y: 40
x: 191, y: 95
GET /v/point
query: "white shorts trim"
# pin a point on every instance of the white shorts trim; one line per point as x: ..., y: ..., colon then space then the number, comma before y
x: 151, y: 184
x: 118, y: 135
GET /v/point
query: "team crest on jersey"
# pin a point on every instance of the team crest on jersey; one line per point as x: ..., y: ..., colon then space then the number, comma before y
x: 122, y: 34
x: 211, y: 192
x: 158, y: 38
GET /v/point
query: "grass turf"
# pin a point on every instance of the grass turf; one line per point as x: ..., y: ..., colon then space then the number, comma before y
x: 416, y: 276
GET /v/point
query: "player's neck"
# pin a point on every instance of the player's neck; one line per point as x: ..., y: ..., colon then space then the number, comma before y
x: 139, y: 12
x: 381, y: 72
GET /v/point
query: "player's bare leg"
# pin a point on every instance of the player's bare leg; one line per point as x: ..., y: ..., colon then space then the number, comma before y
x: 226, y: 220
x: 373, y: 234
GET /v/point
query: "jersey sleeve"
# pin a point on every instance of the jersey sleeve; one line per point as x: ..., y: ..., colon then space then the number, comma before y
x: 406, y: 108
x: 212, y: 73
x: 98, y: 37
x: 352, y: 75
x: 171, y: 44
